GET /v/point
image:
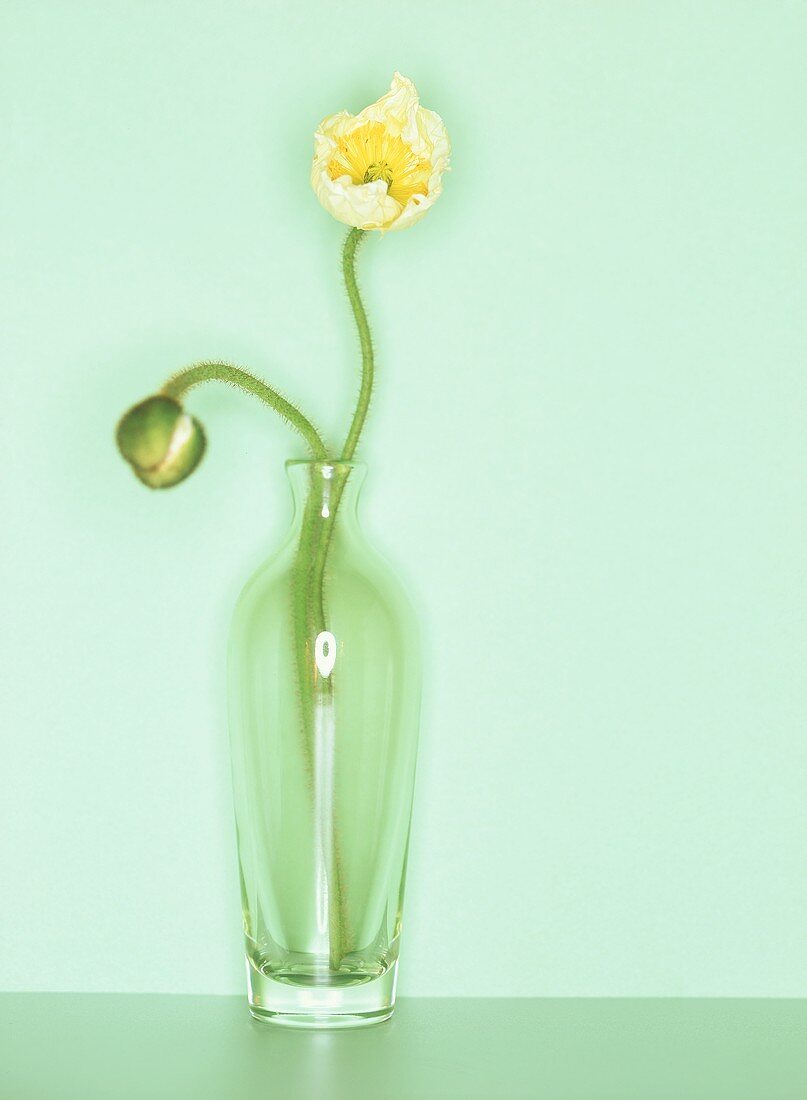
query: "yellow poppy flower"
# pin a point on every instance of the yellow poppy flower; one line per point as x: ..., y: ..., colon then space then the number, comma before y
x: 382, y: 168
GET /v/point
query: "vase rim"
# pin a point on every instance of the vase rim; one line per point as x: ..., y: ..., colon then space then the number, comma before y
x: 326, y: 463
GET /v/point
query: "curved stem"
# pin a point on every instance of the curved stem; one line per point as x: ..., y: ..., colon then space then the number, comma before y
x: 309, y: 604
x: 352, y: 242
x: 217, y: 371
x: 339, y: 933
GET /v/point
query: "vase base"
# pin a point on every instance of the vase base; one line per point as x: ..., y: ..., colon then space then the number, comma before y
x: 303, y: 1004
x: 325, y: 1022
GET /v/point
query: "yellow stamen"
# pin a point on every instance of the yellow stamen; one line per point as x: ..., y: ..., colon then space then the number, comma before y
x: 373, y: 153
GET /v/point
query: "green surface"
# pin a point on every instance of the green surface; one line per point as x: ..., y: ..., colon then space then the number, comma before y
x: 92, y: 1047
x: 599, y: 505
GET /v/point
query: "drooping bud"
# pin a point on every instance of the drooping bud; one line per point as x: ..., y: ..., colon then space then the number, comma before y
x: 161, y: 442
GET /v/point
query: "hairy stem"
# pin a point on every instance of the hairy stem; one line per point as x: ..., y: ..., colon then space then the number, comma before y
x: 352, y: 242
x: 216, y: 371
x: 339, y: 934
x: 308, y: 610
x: 308, y: 595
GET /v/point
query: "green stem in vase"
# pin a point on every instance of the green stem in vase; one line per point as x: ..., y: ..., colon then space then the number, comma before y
x: 310, y: 605
x: 308, y: 615
x: 326, y: 527
x: 164, y: 444
x: 303, y: 582
x: 316, y: 695
x: 351, y: 245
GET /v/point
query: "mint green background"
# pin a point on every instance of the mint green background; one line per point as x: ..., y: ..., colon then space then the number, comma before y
x: 587, y: 459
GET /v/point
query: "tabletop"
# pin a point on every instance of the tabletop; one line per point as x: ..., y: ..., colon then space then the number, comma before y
x: 88, y: 1046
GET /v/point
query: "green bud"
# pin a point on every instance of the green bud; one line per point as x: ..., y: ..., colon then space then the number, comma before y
x: 161, y: 442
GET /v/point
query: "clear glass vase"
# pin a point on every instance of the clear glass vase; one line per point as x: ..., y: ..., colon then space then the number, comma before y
x: 324, y: 690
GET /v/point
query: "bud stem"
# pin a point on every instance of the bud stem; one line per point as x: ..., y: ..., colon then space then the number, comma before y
x: 217, y: 371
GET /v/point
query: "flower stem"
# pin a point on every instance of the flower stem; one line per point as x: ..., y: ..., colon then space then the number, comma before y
x: 352, y: 242
x: 310, y: 605
x: 217, y: 371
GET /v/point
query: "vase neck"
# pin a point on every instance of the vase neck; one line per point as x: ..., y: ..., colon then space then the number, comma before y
x: 326, y: 490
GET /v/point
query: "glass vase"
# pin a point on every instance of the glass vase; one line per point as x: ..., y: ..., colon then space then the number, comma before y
x: 324, y: 693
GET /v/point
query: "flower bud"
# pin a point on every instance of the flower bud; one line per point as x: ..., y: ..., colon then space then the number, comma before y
x: 161, y: 442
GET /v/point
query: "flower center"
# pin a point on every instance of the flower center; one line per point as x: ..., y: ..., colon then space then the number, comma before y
x: 372, y: 153
x: 379, y: 171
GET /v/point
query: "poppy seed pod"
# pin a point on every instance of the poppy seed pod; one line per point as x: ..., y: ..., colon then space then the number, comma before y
x: 161, y: 442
